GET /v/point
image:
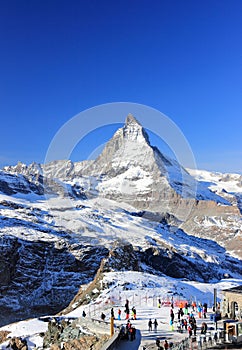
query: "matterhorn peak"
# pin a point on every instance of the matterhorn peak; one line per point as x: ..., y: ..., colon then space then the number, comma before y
x: 129, y: 148
x: 131, y: 120
x: 133, y: 130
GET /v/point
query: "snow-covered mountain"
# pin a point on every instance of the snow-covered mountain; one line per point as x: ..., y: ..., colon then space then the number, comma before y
x: 132, y: 208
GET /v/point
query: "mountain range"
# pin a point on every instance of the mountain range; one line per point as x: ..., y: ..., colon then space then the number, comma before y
x: 133, y: 208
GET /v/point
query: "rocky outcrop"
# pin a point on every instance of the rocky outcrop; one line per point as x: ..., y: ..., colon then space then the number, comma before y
x: 32, y: 179
x: 122, y: 257
x: 17, y: 183
x: 42, y: 277
x: 69, y: 334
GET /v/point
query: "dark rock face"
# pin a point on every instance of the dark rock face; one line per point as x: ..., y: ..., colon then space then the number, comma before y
x: 177, y: 265
x: 13, y: 183
x: 122, y: 257
x: 9, y: 255
x: 172, y: 264
x: 166, y: 260
x: 37, y: 278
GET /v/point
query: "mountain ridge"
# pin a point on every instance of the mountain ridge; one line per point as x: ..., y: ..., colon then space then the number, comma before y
x: 59, y: 217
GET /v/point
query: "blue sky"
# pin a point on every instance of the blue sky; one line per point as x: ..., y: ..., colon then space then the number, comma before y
x: 183, y: 58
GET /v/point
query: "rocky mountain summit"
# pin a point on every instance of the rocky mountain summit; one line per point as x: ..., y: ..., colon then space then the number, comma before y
x: 131, y: 208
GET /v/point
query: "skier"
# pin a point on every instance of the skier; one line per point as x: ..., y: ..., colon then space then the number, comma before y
x: 150, y: 325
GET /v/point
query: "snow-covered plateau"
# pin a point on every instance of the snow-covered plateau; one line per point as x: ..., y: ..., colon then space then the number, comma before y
x: 143, y: 290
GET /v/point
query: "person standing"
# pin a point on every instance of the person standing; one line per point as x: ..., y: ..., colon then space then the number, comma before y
x: 127, y: 309
x: 195, y: 328
x: 150, y: 325
x: 157, y: 343
x: 172, y: 315
x: 185, y: 324
x: 204, y: 328
x: 166, y: 345
x: 189, y: 328
x: 204, y: 312
x: 119, y: 314
x: 186, y: 309
x: 127, y: 314
x: 199, y: 310
x: 194, y: 306
x: 132, y: 331
x: 172, y: 302
x: 134, y: 313
x: 155, y: 325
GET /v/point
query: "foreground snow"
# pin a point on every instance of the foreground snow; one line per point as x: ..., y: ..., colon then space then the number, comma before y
x: 141, y: 289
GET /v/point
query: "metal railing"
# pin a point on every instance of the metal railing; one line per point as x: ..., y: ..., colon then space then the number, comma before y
x: 196, y: 343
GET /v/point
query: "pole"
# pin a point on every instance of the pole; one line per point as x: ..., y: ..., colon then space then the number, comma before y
x: 215, y: 299
x: 111, y: 326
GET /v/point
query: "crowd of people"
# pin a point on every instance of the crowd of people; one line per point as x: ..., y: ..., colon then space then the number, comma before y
x: 128, y: 332
x: 186, y: 321
x: 183, y: 317
x: 189, y: 322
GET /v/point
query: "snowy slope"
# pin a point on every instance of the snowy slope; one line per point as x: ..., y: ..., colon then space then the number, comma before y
x: 223, y: 181
x: 55, y: 245
x: 228, y: 186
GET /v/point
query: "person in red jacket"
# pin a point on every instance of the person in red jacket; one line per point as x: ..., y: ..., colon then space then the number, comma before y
x: 119, y: 314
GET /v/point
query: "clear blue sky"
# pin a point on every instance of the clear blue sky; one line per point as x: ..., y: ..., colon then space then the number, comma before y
x: 60, y: 57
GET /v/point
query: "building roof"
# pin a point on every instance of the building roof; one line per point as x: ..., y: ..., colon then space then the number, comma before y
x: 237, y: 289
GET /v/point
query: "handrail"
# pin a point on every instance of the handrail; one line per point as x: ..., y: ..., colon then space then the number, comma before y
x: 111, y: 343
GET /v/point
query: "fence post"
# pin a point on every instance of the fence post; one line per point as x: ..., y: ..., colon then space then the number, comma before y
x: 111, y: 326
